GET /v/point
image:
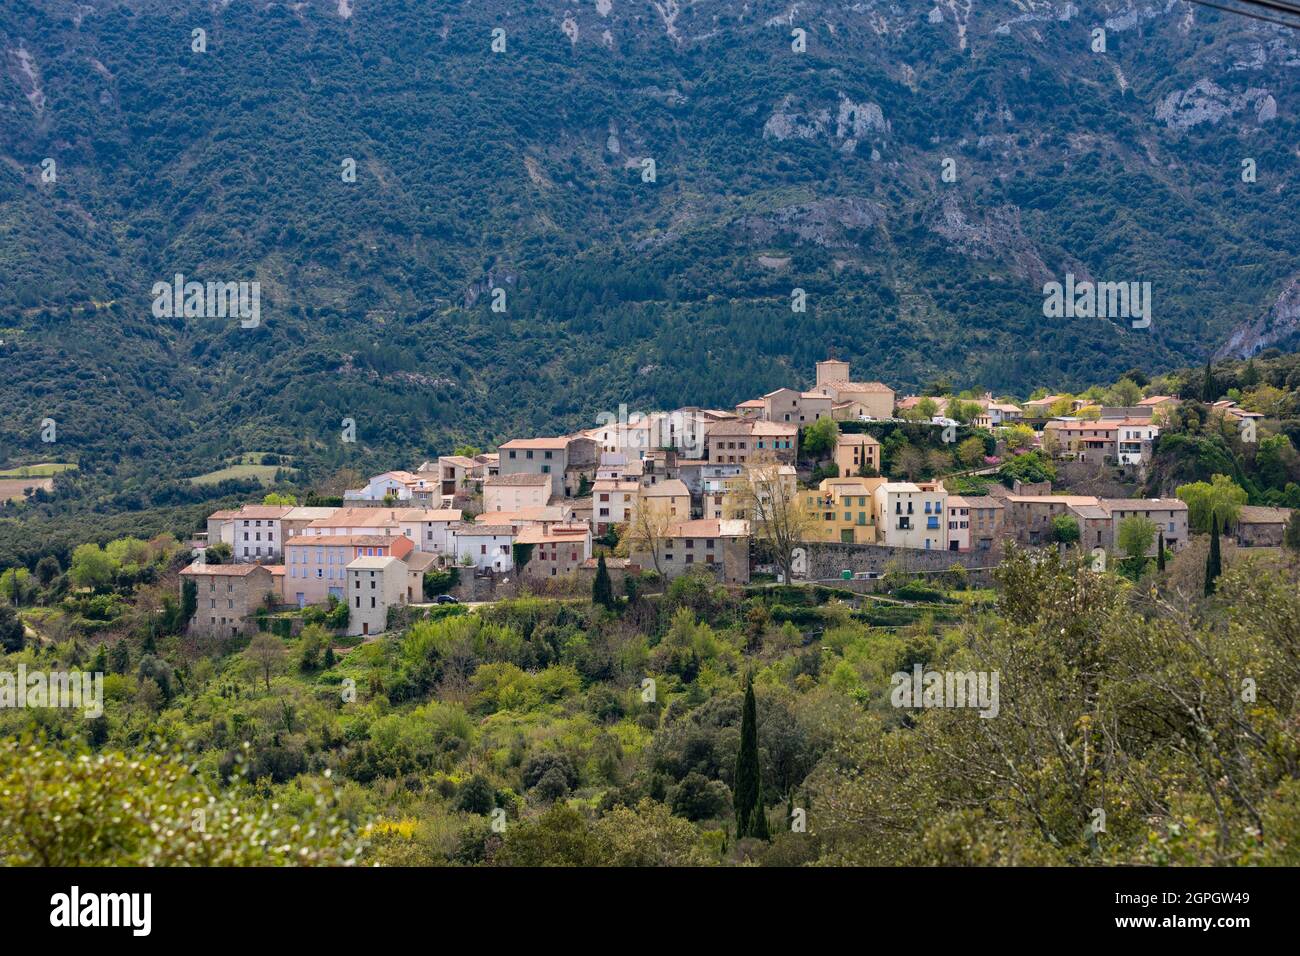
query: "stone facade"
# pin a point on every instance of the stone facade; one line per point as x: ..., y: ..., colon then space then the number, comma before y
x: 228, y: 596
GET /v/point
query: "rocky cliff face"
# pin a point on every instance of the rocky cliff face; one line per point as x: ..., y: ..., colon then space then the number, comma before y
x: 1279, y: 325
x: 646, y: 180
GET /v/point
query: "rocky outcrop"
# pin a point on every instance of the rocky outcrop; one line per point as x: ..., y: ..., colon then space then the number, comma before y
x: 849, y: 124
x: 998, y: 236
x: 1207, y: 102
x: 825, y: 222
x: 1280, y: 323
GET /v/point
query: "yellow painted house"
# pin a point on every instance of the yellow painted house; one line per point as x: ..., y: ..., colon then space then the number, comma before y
x: 841, y: 510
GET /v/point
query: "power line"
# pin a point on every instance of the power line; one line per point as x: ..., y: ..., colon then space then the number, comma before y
x: 1255, y: 16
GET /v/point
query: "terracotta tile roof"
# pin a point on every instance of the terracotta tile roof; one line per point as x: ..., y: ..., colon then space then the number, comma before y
x: 856, y: 439
x: 226, y: 570
x: 467, y: 530
x: 420, y: 560
x: 1109, y: 425
x: 559, y: 533
x: 308, y: 513
x: 672, y: 488
x: 261, y: 512
x: 842, y: 386
x: 525, y: 443
x: 372, y: 563
x: 974, y: 501
x: 341, y: 540
x: 614, y: 484
x: 1070, y: 501
x: 358, y: 518
x: 1142, y: 504
x: 522, y: 515
x: 750, y: 427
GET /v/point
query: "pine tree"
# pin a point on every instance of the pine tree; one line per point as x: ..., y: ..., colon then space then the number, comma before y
x: 1250, y: 376
x: 751, y: 815
x: 1214, y: 563
x: 1160, y: 552
x: 602, y: 589
x: 119, y: 658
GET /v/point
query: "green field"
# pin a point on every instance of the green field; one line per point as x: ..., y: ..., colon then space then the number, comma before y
x: 263, y: 473
x: 43, y: 470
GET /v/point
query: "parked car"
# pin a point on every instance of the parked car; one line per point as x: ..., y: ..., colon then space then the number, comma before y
x: 445, y: 599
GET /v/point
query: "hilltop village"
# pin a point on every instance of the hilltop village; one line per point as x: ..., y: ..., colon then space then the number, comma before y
x: 786, y: 485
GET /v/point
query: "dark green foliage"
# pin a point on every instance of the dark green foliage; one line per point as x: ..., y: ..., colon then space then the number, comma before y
x: 602, y: 589
x: 522, y: 554
x: 476, y: 795
x: 440, y: 581
x: 47, y: 569
x: 235, y: 170
x: 119, y: 658
x: 751, y: 812
x: 699, y: 798
x: 1029, y: 468
x: 11, y: 629
x: 1065, y: 530
x: 189, y: 602
x: 1214, y: 561
x: 1291, y: 536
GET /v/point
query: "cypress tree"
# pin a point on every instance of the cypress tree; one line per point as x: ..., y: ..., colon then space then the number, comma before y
x: 1207, y: 388
x: 602, y: 589
x: 1214, y: 563
x: 1160, y: 552
x: 189, y: 601
x: 751, y: 816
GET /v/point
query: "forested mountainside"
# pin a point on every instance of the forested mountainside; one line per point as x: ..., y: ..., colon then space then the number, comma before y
x: 126, y: 157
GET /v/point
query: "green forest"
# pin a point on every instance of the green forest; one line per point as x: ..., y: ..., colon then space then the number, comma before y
x: 1138, y: 720
x: 520, y: 171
